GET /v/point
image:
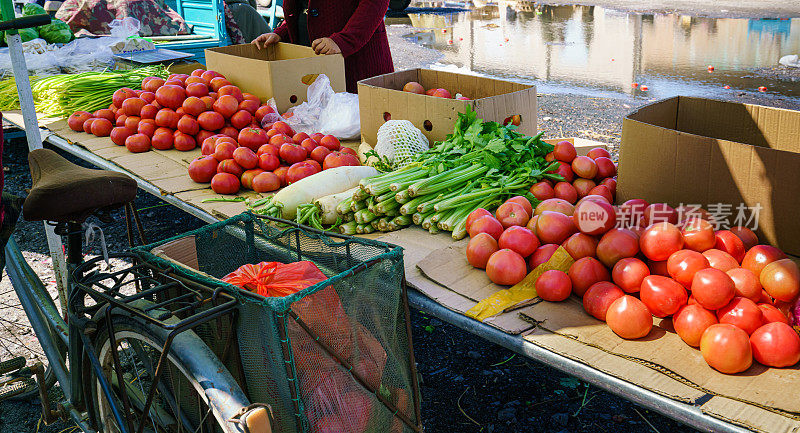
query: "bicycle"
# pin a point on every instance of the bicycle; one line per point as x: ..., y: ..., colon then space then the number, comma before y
x: 134, y: 362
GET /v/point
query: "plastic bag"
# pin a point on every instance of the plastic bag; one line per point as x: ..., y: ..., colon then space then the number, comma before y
x: 57, y: 32
x: 338, y: 406
x: 326, y: 111
x: 85, y: 54
x: 274, y: 279
x: 399, y: 141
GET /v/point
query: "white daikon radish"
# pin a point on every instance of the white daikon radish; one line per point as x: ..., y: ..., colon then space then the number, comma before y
x: 327, y: 205
x: 326, y: 182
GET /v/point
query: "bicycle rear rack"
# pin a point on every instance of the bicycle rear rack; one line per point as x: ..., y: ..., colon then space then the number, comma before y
x: 158, y: 296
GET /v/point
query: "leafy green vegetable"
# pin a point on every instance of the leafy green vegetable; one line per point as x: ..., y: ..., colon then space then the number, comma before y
x: 57, y: 32
x: 25, y: 34
x: 32, y: 9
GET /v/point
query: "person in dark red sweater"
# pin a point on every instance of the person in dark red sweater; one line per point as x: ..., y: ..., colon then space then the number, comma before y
x: 352, y: 28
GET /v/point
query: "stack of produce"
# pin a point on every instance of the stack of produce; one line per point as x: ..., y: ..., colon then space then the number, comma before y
x: 593, y: 174
x: 415, y: 87
x: 479, y: 165
x: 727, y: 295
x: 266, y: 160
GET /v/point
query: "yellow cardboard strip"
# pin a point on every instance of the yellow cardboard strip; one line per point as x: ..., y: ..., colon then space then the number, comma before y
x: 522, y: 291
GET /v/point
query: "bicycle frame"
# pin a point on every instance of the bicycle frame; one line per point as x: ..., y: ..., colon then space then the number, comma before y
x: 220, y: 389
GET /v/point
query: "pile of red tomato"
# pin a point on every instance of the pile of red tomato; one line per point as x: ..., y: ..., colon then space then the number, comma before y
x: 593, y: 174
x: 205, y: 109
x: 724, y: 293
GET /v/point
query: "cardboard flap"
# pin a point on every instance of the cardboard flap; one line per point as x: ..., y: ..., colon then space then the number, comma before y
x: 182, y: 251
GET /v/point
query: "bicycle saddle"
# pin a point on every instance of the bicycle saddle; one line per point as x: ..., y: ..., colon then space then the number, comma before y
x: 65, y: 192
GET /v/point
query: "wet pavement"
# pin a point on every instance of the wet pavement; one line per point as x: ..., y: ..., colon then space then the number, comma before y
x: 602, y: 52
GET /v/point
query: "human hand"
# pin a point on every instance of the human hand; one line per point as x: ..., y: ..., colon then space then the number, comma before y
x: 265, y: 40
x: 325, y: 46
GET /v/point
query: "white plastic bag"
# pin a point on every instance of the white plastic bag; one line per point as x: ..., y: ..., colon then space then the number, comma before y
x: 327, y: 112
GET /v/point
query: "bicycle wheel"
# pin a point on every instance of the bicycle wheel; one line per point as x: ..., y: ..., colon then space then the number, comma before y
x: 179, y: 404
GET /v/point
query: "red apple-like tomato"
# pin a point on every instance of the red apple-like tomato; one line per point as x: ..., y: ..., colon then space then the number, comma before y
x: 553, y: 286
x: 691, y: 321
x: 512, y: 214
x: 760, y: 256
x: 712, y: 288
x: 203, y: 169
x: 742, y: 313
x: 594, y: 217
x: 506, y: 267
x: 486, y: 224
x: 629, y: 273
x: 776, y: 344
x: 731, y: 244
x: 480, y: 248
x: 519, y: 239
x: 599, y: 297
x: 726, y: 348
x: 474, y: 215
x: 225, y: 183
x: 554, y: 227
x: 629, y: 318
x: 698, y: 234
x: 299, y: 171
x: 266, y: 182
x: 339, y: 159
x: 580, y: 245
x: 660, y: 240
x: 616, y: 245
x: 585, y: 272
x: 683, y: 264
x: 292, y: 153
x: 663, y: 296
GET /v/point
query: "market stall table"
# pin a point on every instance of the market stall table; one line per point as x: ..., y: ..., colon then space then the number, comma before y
x: 164, y: 174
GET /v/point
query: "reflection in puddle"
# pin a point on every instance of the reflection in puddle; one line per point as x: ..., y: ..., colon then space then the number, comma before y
x: 607, y: 50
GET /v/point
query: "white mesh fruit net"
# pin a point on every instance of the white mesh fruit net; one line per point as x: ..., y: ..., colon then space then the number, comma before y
x: 399, y: 141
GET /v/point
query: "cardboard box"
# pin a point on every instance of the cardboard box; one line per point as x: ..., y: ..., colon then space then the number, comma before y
x: 701, y: 151
x: 582, y: 145
x: 382, y: 98
x: 282, y: 71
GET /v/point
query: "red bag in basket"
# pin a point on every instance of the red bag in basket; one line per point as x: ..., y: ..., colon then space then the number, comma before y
x: 274, y: 279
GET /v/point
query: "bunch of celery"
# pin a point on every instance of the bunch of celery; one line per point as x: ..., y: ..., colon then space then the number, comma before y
x: 480, y: 165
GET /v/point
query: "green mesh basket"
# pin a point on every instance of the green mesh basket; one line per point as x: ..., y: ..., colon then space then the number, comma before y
x: 334, y: 357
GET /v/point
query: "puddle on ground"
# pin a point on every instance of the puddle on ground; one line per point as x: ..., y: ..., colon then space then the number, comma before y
x: 601, y: 51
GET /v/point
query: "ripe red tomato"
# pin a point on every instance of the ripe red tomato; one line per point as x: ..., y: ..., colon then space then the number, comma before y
x: 218, y: 83
x: 151, y: 84
x: 196, y: 89
x: 583, y: 186
x: 349, y: 150
x: 506, y: 267
x: 203, y: 169
x: 188, y: 125
x: 193, y: 106
x: 629, y: 318
x: 721, y: 260
x: 266, y: 182
x: 760, y: 256
x: 781, y: 279
x: 339, y: 159
x: 486, y: 224
x: 564, y: 151
x: 252, y: 138
x: 772, y: 314
x: 170, y: 96
x: 133, y: 106
x: 101, y: 127
x: 659, y: 213
x: 629, y: 273
x: 599, y: 297
x: 225, y: 183
x: 292, y: 153
x: 541, y: 255
x: 224, y: 150
x: 585, y: 272
x: 698, y: 234
x: 605, y: 167
x: 660, y: 240
x: 310, y: 144
x: 712, y: 288
x: 245, y: 157
x: 616, y: 245
x: 597, y: 152
x: 330, y: 142
x: 663, y: 296
x: 776, y: 344
x: 226, y: 105
x: 263, y: 111
x: 241, y: 119
x: 683, y: 264
x: 211, y: 121
x: 519, y: 239
x: 268, y: 149
x: 603, y: 191
x: 480, y: 248
x: 553, y: 227
x: 248, y: 176
x: 121, y: 95
x: 251, y: 106
x: 163, y: 139
x: 319, y: 153
x: 731, y: 244
x: 299, y: 170
x: 555, y: 205
x: 584, y: 167
x: 580, y: 245
x: 633, y: 212
x: 522, y: 201
x: 691, y: 321
x: 231, y: 90
x: 745, y: 283
x: 474, y: 215
x: 565, y: 191
x: 230, y: 166
x: 726, y: 348
x: 120, y: 134
x: 565, y: 170
x: 147, y: 127
x: 512, y: 214
x: 284, y: 128
x: 542, y: 190
x: 749, y: 239
x: 268, y: 162
x: 77, y: 119
x: 742, y: 313
x: 553, y: 286
x: 137, y: 143
x: 595, y: 217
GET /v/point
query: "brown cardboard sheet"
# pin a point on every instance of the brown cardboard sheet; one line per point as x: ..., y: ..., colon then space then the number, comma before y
x: 663, y: 351
x: 462, y: 286
x: 701, y: 151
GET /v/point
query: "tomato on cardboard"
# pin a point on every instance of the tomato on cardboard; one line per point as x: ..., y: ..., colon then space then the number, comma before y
x: 137, y: 143
x: 585, y: 272
x: 726, y: 348
x: 628, y: 274
x: 203, y: 169
x: 629, y: 318
x: 518, y: 239
x: 691, y: 321
x: 553, y: 286
x: 486, y: 224
x: 776, y: 344
x: 245, y: 157
x: 339, y: 159
x: 225, y: 183
x: 480, y: 248
x: 506, y: 267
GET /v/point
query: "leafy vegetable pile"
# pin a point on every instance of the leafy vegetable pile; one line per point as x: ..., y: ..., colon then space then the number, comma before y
x: 480, y: 165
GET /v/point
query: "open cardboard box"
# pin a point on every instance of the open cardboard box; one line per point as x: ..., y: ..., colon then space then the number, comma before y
x: 382, y: 98
x: 701, y: 151
x: 283, y: 71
